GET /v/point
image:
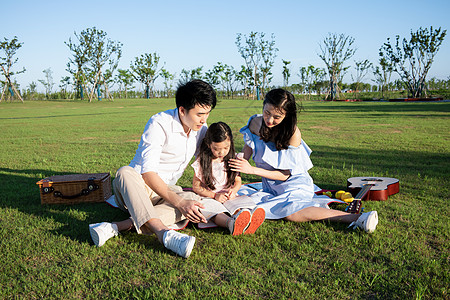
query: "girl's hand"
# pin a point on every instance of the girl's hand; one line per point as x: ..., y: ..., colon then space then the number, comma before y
x: 241, y: 165
x: 221, y: 197
x: 231, y: 194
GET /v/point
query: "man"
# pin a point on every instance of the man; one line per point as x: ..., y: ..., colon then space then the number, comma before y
x: 146, y: 188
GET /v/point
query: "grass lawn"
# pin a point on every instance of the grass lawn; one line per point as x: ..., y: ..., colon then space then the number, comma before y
x: 47, y: 252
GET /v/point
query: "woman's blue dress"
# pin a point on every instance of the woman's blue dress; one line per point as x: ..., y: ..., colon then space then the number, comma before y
x: 283, y: 198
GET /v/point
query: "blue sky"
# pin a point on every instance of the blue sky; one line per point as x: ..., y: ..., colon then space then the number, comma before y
x: 189, y: 34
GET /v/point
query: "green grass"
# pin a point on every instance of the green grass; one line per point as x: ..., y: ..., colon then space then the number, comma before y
x: 47, y: 252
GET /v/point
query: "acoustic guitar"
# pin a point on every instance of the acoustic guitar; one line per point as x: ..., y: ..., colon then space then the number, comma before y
x: 370, y: 188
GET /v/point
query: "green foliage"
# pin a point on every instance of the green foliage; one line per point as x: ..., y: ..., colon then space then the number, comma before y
x: 412, y: 59
x: 125, y: 80
x: 259, y: 56
x: 145, y: 70
x: 312, y: 80
x: 90, y: 53
x: 336, y: 49
x: 8, y: 49
x: 47, y: 251
x: 286, y: 73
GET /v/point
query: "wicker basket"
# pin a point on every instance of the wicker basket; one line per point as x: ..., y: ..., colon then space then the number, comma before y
x: 75, y: 188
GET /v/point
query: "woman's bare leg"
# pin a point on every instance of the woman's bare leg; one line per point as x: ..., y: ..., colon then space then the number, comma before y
x: 322, y: 214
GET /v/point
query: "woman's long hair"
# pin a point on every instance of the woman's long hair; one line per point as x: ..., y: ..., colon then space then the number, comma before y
x: 216, y: 133
x: 284, y: 102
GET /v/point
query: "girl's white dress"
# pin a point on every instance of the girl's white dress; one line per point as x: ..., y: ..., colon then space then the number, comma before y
x: 283, y: 198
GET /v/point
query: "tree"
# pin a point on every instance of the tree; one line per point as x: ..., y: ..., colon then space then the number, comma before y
x: 412, y: 59
x: 229, y: 76
x: 310, y: 77
x: 77, y: 63
x: 362, y: 68
x: 125, y: 80
x: 286, y: 73
x: 9, y: 49
x: 382, y: 75
x: 168, y: 81
x: 145, y: 70
x: 32, y: 90
x: 259, y: 56
x: 224, y: 75
x: 188, y: 75
x: 336, y: 49
x: 244, y: 77
x: 64, y: 83
x: 101, y: 51
x: 212, y: 76
x: 47, y: 82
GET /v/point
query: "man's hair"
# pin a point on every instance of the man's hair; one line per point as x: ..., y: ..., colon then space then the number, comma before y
x: 195, y: 92
x: 284, y: 102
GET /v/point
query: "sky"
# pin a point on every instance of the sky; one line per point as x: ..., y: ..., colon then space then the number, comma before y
x: 190, y: 34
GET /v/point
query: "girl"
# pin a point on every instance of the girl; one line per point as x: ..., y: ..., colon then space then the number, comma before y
x: 213, y: 178
x: 282, y: 160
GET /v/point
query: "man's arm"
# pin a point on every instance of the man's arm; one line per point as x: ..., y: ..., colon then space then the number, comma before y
x: 189, y: 208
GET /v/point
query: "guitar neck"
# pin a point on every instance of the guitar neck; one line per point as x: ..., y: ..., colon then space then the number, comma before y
x: 363, y: 192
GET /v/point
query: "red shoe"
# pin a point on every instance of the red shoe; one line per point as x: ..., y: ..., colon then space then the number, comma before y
x: 258, y: 217
x: 239, y: 222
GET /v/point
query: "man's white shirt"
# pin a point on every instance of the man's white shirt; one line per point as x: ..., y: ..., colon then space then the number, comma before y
x: 165, y: 148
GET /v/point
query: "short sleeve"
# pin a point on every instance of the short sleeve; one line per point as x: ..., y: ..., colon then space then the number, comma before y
x: 197, y: 171
x: 248, y: 135
x: 294, y: 159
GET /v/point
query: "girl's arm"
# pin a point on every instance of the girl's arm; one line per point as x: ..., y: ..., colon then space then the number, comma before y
x: 237, y: 185
x: 198, y: 188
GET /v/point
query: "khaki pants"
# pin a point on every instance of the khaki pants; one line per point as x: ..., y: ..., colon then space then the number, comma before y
x: 134, y: 196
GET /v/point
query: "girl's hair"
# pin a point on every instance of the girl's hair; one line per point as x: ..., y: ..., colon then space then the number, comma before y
x: 284, y: 102
x: 216, y: 133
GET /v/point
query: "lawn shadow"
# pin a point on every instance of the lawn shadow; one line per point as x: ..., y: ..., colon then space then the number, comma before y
x: 22, y: 193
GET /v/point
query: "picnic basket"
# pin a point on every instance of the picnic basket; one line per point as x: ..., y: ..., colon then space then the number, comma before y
x: 75, y: 188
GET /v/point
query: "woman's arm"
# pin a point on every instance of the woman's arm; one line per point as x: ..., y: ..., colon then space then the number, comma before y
x: 243, y: 166
x: 296, y: 138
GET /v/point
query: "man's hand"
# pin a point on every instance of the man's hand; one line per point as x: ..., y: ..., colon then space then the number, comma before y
x: 189, y: 209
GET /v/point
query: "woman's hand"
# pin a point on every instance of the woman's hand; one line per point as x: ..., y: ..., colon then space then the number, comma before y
x: 241, y: 165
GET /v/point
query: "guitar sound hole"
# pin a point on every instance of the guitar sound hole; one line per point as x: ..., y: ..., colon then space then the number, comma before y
x: 372, y: 179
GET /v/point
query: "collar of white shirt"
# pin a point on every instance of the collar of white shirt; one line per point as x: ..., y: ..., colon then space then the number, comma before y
x: 177, y: 126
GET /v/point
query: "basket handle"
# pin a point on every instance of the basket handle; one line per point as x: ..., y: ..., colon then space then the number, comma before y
x: 91, y: 186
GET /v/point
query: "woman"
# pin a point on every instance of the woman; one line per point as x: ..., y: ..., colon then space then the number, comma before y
x: 274, y: 142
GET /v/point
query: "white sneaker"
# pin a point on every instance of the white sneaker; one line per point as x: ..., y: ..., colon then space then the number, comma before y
x: 179, y: 243
x: 367, y: 221
x: 101, y: 232
x: 239, y: 222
